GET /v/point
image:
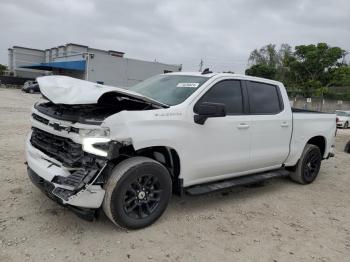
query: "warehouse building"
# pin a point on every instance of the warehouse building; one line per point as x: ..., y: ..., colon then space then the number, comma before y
x: 102, y: 66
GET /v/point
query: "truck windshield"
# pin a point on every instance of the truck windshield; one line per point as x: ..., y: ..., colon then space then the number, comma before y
x: 169, y: 89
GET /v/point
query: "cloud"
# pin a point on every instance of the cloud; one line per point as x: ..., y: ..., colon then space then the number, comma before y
x: 221, y: 32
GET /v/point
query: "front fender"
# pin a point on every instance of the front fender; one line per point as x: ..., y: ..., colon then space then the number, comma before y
x: 149, y: 128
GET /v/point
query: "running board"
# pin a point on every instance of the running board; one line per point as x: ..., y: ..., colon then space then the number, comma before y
x: 237, y: 181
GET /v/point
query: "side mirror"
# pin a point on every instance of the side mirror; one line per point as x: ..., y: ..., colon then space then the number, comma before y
x: 205, y: 110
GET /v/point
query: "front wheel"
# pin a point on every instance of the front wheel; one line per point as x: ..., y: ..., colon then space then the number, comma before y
x: 137, y: 192
x: 308, y: 165
x: 346, y: 125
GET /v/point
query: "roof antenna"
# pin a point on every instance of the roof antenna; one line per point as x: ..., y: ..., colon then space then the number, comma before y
x: 206, y: 71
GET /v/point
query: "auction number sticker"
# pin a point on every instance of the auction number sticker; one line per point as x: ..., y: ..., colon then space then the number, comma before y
x: 191, y: 85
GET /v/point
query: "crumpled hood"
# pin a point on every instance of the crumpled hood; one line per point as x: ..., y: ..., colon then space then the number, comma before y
x: 72, y: 91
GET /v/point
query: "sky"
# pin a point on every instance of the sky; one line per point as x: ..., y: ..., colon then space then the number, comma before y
x: 222, y: 32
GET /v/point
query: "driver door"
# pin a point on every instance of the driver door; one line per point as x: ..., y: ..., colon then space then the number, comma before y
x: 222, y: 144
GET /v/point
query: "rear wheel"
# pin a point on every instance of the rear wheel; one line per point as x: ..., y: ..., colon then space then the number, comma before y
x: 308, y: 166
x: 137, y: 192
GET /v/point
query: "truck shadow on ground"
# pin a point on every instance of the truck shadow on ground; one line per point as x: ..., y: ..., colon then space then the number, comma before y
x: 190, y: 206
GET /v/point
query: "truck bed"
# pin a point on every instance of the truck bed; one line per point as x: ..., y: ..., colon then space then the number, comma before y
x: 306, y: 124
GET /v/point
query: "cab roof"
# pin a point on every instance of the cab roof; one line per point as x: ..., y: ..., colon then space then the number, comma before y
x: 217, y: 75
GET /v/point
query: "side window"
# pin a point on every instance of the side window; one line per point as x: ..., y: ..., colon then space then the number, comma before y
x: 227, y: 92
x: 263, y: 98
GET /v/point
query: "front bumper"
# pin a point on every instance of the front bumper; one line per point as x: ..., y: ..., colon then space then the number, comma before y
x: 42, y: 170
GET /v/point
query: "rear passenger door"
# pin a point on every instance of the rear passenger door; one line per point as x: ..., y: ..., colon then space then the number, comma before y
x: 271, y: 126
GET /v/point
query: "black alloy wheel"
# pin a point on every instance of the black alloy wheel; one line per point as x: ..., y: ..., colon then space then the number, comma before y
x: 138, y: 191
x: 142, y: 196
x: 308, y: 166
x: 311, y: 165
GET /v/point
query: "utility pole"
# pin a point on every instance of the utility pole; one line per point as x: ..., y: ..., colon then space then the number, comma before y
x: 87, y: 56
x: 87, y: 66
x: 201, y: 65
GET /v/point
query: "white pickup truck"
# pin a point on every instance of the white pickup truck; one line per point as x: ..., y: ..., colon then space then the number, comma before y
x: 127, y: 151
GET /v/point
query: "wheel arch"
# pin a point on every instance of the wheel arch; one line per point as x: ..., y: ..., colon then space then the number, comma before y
x: 320, y: 142
x: 169, y: 157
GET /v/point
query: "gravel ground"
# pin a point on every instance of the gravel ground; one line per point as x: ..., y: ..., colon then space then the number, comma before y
x: 279, y: 221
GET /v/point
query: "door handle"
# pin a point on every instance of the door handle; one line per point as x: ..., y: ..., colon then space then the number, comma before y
x: 284, y: 124
x: 243, y: 126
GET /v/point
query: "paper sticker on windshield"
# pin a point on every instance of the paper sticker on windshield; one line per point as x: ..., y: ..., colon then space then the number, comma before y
x: 191, y: 85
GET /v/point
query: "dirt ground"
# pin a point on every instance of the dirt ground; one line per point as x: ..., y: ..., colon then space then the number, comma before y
x: 279, y: 221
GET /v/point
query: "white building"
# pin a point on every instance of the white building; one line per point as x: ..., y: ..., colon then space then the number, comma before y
x: 96, y: 65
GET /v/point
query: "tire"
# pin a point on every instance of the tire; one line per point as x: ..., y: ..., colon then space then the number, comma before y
x: 137, y: 192
x: 347, y: 147
x: 31, y: 91
x: 346, y: 125
x: 308, y: 165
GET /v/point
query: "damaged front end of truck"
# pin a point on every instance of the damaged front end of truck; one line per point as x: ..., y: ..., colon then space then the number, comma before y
x: 69, y: 152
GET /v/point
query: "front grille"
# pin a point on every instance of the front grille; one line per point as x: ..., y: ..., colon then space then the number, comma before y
x: 55, y: 126
x: 40, y: 119
x: 60, y: 148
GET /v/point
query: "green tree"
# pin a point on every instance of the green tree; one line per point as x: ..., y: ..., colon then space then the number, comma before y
x: 262, y: 70
x: 314, y: 62
x: 268, y: 55
x: 308, y: 69
x: 311, y: 67
x: 268, y: 62
x: 3, y: 68
x: 340, y: 76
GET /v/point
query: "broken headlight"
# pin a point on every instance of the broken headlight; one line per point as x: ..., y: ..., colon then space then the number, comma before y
x: 95, y: 141
x: 98, y: 132
x: 96, y: 145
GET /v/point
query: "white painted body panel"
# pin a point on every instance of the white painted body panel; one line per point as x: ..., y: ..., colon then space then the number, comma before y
x: 72, y: 91
x: 213, y: 151
x: 218, y: 150
x: 306, y: 126
x: 270, y: 136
